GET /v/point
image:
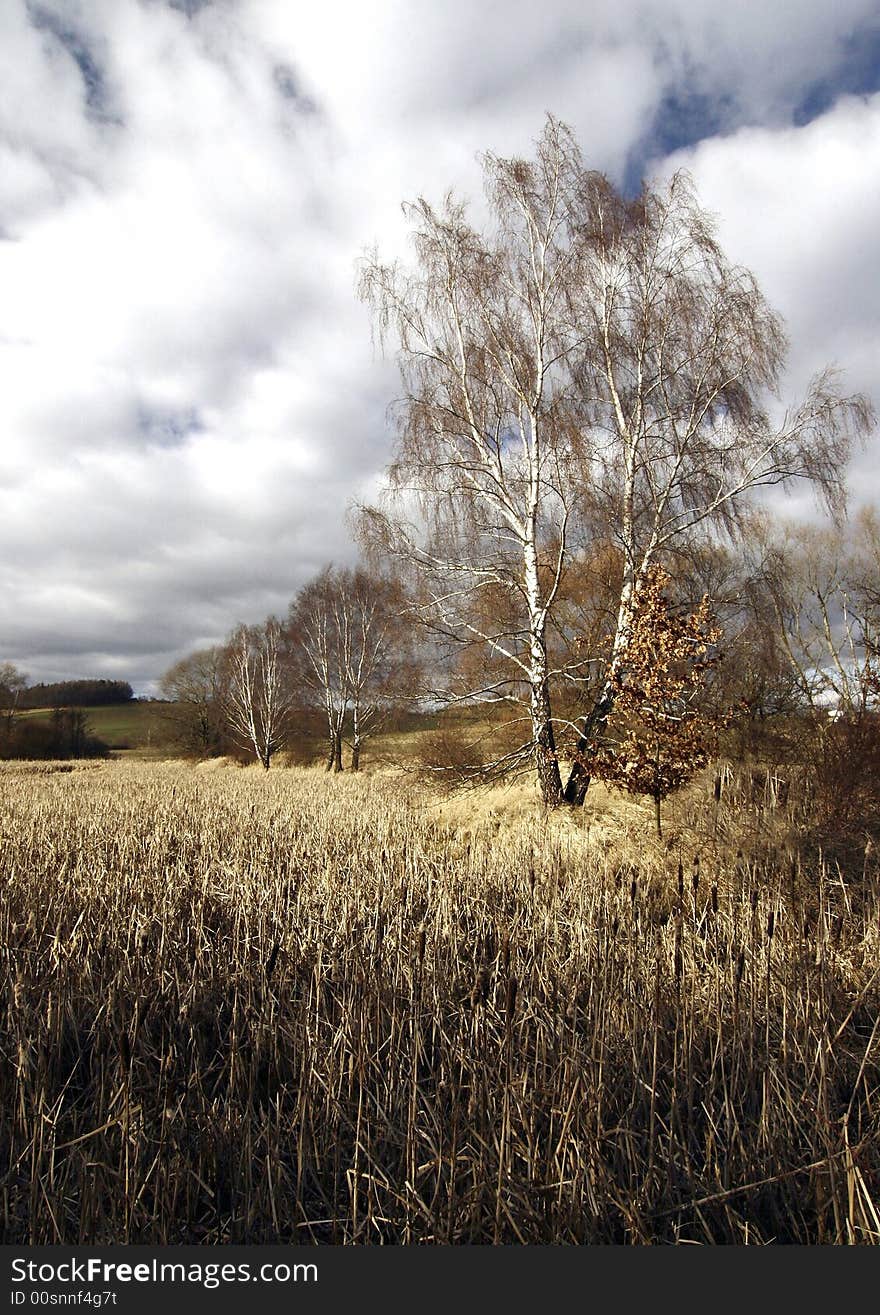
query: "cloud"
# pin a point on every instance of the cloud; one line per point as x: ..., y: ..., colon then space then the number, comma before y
x: 191, y: 397
x: 801, y: 208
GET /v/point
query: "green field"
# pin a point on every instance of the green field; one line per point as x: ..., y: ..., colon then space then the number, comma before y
x: 143, y: 729
x: 137, y: 727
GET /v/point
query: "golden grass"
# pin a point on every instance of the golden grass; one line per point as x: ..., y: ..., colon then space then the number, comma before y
x: 290, y: 1007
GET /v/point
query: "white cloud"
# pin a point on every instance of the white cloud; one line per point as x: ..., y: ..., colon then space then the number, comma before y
x: 801, y: 208
x: 190, y: 394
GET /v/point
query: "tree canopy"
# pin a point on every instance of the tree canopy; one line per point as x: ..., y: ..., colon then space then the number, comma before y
x: 586, y: 369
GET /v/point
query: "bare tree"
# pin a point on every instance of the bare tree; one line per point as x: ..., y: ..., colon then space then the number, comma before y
x: 684, y: 358
x: 824, y: 588
x: 823, y: 584
x: 353, y: 634
x: 381, y: 669
x: 12, y: 683
x: 485, y: 462
x: 319, y: 631
x: 258, y: 698
x: 866, y: 567
x: 195, y: 688
x: 592, y: 370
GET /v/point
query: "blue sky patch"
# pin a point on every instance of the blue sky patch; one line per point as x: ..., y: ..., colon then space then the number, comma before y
x: 858, y: 74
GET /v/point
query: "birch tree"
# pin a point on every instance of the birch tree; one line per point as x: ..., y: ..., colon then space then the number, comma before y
x: 258, y: 698
x: 353, y: 631
x: 319, y: 633
x: 484, y: 471
x: 680, y: 380
x: 823, y: 586
x: 12, y: 683
x: 381, y: 666
x: 588, y: 369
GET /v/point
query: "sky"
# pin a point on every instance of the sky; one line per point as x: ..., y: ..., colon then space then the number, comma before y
x: 190, y: 393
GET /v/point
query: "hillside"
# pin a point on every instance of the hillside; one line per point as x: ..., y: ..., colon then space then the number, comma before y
x: 136, y: 727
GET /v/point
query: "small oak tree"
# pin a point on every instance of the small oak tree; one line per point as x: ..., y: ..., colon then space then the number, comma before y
x: 660, y: 740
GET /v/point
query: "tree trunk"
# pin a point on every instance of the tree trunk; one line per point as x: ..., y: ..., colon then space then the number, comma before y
x: 543, y: 739
x: 578, y: 782
x: 331, y: 755
x: 337, y: 754
x: 657, y: 816
x: 546, y: 760
x: 266, y: 759
x: 356, y: 731
x: 579, y: 778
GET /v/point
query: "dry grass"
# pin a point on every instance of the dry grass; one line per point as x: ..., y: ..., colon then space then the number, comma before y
x: 285, y: 1007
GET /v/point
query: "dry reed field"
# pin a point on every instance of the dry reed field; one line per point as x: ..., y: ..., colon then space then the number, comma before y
x: 251, y: 1007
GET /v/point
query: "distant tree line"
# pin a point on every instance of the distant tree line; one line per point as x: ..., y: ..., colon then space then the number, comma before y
x: 76, y: 694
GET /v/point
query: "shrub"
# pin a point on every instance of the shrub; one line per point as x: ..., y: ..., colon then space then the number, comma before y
x: 448, y: 756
